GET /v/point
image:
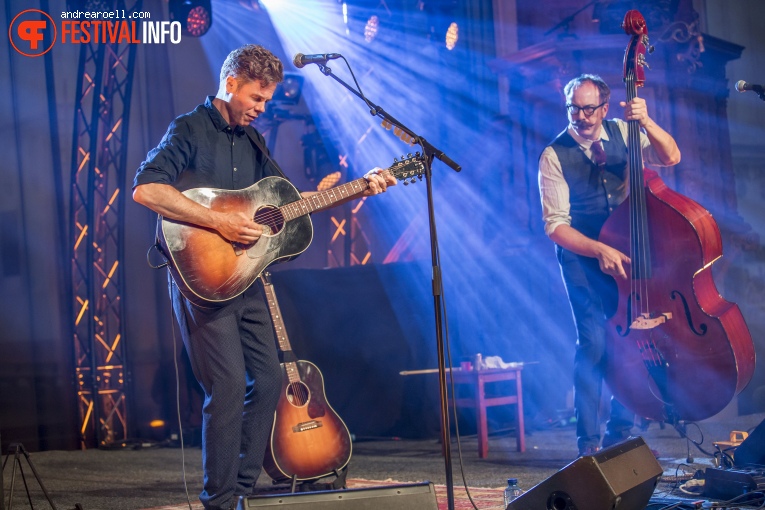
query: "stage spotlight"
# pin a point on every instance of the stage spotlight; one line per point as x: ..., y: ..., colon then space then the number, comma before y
x: 195, y: 16
x: 370, y: 30
x: 345, y: 18
x: 329, y: 181
x: 288, y: 91
x: 452, y: 35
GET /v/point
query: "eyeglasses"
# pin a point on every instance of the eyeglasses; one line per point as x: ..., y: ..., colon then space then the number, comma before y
x: 588, y: 110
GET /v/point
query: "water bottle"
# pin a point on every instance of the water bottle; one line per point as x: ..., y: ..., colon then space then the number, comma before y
x: 512, y: 491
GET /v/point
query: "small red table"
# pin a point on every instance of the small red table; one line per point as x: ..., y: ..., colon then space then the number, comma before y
x: 477, y: 380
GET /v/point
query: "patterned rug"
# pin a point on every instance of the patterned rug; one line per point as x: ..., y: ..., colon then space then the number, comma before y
x: 484, y: 499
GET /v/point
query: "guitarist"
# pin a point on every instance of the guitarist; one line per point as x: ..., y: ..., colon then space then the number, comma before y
x: 231, y: 347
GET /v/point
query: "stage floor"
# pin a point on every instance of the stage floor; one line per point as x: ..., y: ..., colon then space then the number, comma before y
x: 129, y: 479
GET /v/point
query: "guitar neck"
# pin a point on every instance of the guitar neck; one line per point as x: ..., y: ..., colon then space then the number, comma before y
x: 324, y: 199
x: 280, y: 329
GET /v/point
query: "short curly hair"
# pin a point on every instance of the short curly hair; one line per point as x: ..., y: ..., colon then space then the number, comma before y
x: 603, y: 90
x: 253, y: 62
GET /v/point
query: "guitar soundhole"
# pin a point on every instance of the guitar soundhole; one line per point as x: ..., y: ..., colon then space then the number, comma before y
x: 271, y: 217
x: 298, y: 394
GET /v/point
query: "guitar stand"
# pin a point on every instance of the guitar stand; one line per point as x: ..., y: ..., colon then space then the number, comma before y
x: 313, y: 485
x: 18, y: 449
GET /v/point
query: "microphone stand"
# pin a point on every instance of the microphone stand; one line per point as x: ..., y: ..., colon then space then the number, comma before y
x: 428, y: 152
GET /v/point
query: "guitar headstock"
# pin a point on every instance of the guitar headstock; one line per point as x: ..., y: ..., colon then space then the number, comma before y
x: 408, y: 169
x: 634, y: 56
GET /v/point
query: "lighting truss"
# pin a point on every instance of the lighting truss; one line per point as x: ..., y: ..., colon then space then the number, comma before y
x: 97, y: 213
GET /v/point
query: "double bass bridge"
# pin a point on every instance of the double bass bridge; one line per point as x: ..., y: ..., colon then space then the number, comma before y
x: 650, y: 321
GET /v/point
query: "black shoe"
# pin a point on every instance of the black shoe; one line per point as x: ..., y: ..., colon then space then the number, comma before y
x: 612, y: 438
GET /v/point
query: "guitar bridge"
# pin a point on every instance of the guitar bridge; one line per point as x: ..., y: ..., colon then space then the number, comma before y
x: 307, y: 425
x: 645, y: 321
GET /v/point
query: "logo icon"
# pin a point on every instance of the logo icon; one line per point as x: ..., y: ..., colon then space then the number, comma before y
x: 30, y: 30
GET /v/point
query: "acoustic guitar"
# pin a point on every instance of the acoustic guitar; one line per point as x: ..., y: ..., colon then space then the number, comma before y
x: 208, y: 268
x: 308, y: 438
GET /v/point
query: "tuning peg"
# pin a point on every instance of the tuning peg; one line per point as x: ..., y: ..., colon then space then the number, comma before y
x: 406, y: 183
x: 409, y: 155
x: 395, y: 160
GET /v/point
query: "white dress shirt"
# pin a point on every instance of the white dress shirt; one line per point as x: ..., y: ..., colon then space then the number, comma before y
x: 553, y: 188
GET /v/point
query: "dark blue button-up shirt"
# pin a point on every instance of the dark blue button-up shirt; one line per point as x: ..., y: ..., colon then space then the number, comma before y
x: 200, y: 149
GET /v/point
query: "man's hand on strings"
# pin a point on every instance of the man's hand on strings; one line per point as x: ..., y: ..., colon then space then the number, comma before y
x: 636, y: 110
x: 665, y: 146
x: 378, y: 180
x: 239, y: 227
x: 612, y: 261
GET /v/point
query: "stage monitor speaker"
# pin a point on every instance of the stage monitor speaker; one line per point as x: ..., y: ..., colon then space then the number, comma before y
x: 752, y: 450
x: 622, y: 477
x: 417, y: 496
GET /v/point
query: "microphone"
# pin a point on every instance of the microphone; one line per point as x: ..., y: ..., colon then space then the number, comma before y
x: 301, y: 60
x: 743, y: 86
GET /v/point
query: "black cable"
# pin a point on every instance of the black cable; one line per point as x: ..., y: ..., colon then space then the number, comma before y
x: 680, y: 427
x: 178, y: 400
x: 372, y: 107
x: 453, y: 396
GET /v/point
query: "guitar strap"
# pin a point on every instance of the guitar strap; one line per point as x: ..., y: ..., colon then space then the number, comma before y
x: 255, y: 140
x: 157, y: 246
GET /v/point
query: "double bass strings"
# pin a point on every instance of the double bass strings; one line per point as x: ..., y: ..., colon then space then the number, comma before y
x: 639, y: 241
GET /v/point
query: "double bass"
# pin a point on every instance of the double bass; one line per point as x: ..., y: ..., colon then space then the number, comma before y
x: 675, y: 348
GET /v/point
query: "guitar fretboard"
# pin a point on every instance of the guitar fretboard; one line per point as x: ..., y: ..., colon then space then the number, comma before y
x: 279, y: 329
x: 324, y: 199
